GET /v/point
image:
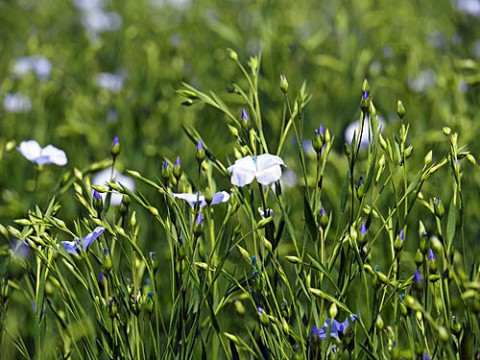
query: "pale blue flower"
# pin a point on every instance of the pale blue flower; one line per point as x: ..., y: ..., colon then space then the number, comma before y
x: 354, y: 128
x: 32, y: 151
x: 74, y: 246
x: 193, y: 199
x: 17, y: 103
x: 110, y: 82
x: 337, y: 329
x: 265, y: 168
x: 39, y: 65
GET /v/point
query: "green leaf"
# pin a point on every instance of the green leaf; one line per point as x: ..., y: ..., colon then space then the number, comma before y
x: 451, y: 223
x: 312, y: 226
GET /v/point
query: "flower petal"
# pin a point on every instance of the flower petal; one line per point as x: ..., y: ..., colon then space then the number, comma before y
x: 191, y: 199
x: 71, y: 247
x: 220, y: 197
x: 30, y: 149
x: 52, y: 156
x: 90, y: 238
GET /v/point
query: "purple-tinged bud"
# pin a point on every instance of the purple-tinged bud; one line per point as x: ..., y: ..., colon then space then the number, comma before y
x: 363, y: 229
x: 166, y: 172
x: 431, y: 255
x: 398, y: 245
x: 107, y: 261
x: 417, y: 280
x: 96, y: 195
x: 262, y: 316
x: 199, y: 225
x: 432, y: 262
x: 253, y: 259
x: 115, y: 147
x: 97, y: 202
x: 283, y: 84
x: 323, y: 218
x: 244, y: 115
x: 319, y: 140
x: 153, y: 261
x: 200, y: 155
x: 177, y: 168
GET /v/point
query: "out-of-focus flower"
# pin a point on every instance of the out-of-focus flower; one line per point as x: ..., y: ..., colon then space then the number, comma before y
x: 424, y: 80
x: 110, y: 82
x: 104, y: 176
x: 20, y: 249
x: 76, y: 245
x: 40, y: 65
x: 471, y: 7
x: 32, y: 151
x: 354, y: 128
x: 17, y: 103
x: 265, y: 168
x: 337, y: 328
x: 193, y: 199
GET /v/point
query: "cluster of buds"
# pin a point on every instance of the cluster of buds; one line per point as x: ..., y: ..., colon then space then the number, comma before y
x: 321, y: 139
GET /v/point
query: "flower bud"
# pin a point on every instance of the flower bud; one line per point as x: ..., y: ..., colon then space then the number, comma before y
x: 283, y: 84
x: 438, y: 207
x: 232, y: 54
x: 333, y: 311
x: 115, y: 147
x: 107, y: 262
x: 177, y: 168
x: 419, y: 258
x: 400, y: 109
x: 200, y: 155
x: 239, y: 308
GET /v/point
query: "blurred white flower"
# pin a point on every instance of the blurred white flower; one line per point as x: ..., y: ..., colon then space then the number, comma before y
x: 17, y: 103
x: 105, y: 176
x: 89, y: 5
x: 110, y: 82
x: 179, y: 4
x: 471, y: 7
x: 289, y: 179
x: 426, y: 79
x: 33, y: 152
x: 265, y: 168
x: 98, y: 21
x: 354, y: 127
x: 40, y: 65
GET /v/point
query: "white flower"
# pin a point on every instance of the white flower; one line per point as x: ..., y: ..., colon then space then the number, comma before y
x: 425, y: 80
x: 354, y: 127
x: 111, y: 82
x: 265, y: 168
x: 33, y: 152
x: 471, y: 7
x: 104, y: 176
x: 17, y: 103
x: 193, y: 199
